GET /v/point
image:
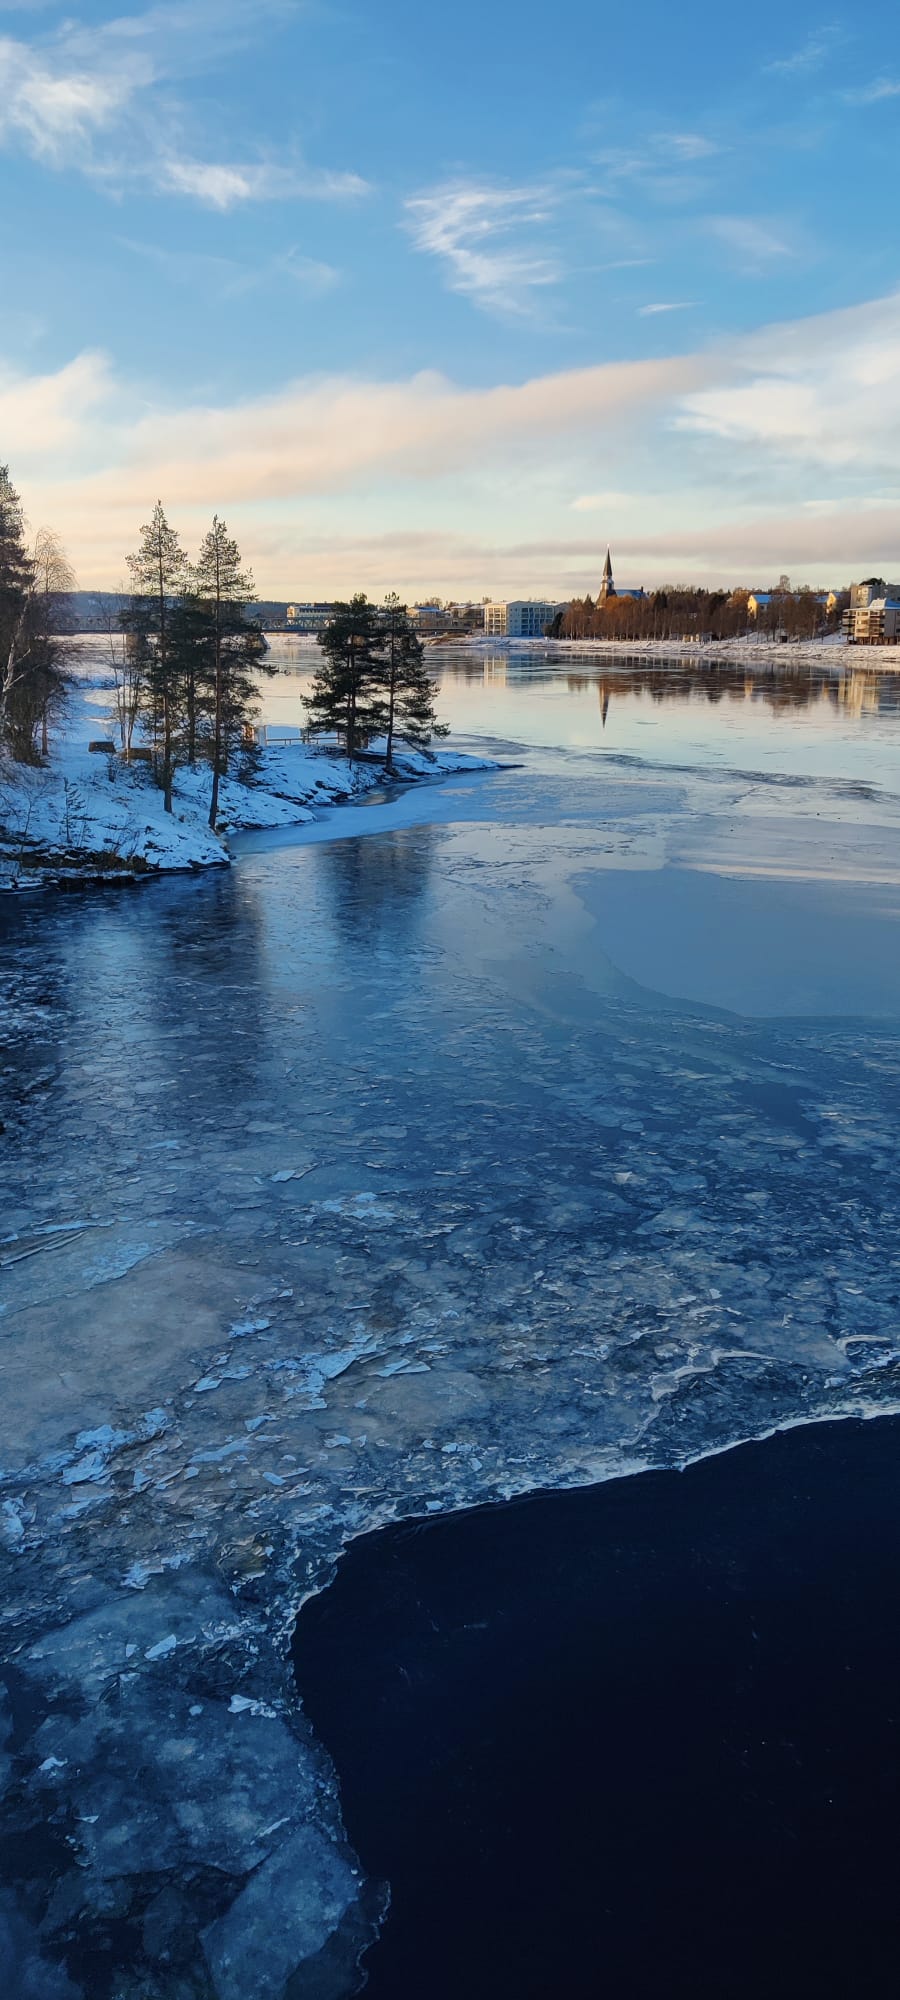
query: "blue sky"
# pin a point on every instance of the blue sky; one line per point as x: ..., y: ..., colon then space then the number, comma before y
x: 444, y: 298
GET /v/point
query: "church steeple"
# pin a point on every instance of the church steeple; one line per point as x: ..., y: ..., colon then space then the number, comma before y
x: 607, y: 587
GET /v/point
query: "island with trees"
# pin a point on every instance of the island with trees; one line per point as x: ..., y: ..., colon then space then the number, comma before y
x: 176, y: 761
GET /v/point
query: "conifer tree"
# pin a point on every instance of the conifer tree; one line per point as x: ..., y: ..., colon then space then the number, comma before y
x: 190, y: 642
x: 159, y: 571
x: 34, y: 585
x: 347, y: 690
x: 223, y: 590
x: 408, y: 688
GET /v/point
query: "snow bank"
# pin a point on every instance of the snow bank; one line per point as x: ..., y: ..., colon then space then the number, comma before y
x: 89, y: 816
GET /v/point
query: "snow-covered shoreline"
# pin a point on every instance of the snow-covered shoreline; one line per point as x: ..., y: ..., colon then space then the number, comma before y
x: 87, y: 817
x: 833, y: 652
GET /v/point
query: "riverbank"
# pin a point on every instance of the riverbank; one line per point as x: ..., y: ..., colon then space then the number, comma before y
x: 649, y: 1724
x: 752, y: 650
x: 88, y: 817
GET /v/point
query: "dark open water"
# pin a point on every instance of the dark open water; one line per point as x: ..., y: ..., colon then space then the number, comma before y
x: 637, y: 1740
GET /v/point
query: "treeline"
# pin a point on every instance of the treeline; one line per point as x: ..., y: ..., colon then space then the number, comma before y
x: 696, y: 614
x: 35, y: 580
x: 186, y: 655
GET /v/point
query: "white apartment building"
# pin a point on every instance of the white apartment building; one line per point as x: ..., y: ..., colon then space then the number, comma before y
x: 520, y: 618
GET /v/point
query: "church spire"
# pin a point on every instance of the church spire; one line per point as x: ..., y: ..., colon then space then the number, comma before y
x: 607, y: 587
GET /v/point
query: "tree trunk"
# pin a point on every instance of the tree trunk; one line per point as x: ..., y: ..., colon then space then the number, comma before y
x: 10, y: 677
x: 167, y: 753
x: 389, y: 759
x: 217, y: 732
x: 351, y: 710
x: 392, y: 688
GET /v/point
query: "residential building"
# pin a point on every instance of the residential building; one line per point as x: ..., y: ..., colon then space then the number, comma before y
x: 439, y: 620
x: 429, y: 619
x: 307, y: 617
x: 495, y: 621
x: 529, y: 617
x: 762, y: 600
x: 873, y: 617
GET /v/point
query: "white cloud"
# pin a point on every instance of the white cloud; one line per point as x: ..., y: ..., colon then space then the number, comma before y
x: 90, y: 98
x: 54, y: 109
x: 665, y: 306
x: 818, y: 49
x: 44, y: 416
x: 874, y: 93
x: 468, y: 225
x: 310, y: 273
x: 754, y: 242
x: 823, y: 391
x: 686, y: 145
x: 224, y: 185
x: 756, y: 426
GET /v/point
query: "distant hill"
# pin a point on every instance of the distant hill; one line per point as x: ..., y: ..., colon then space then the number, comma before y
x: 97, y: 610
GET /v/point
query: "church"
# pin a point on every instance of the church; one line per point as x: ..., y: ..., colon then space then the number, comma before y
x: 607, y: 586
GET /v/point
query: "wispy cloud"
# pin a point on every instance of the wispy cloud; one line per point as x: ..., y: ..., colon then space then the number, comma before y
x: 666, y: 306
x: 475, y: 229
x: 818, y: 49
x: 686, y: 145
x: 93, y: 98
x: 225, y: 184
x: 54, y: 108
x: 874, y: 93
x: 754, y: 242
x: 657, y: 166
x: 227, y: 278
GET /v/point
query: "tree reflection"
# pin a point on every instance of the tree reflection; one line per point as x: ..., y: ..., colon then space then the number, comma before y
x: 374, y: 886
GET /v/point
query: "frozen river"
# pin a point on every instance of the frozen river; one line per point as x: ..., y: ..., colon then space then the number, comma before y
x: 511, y: 1132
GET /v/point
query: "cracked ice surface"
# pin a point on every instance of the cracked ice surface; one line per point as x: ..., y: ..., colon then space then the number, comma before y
x: 363, y: 1182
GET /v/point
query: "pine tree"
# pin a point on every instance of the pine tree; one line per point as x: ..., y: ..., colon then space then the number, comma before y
x: 223, y: 590
x: 347, y: 690
x: 191, y: 651
x: 159, y: 571
x: 33, y: 590
x: 409, y: 690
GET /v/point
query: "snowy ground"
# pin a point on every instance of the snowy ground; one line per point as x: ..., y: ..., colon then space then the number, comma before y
x: 88, y: 815
x: 833, y: 651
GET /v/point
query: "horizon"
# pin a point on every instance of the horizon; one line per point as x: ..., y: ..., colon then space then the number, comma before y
x: 457, y: 351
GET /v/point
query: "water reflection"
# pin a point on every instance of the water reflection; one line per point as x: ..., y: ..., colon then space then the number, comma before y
x: 374, y: 888
x: 781, y: 686
x: 805, y: 717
